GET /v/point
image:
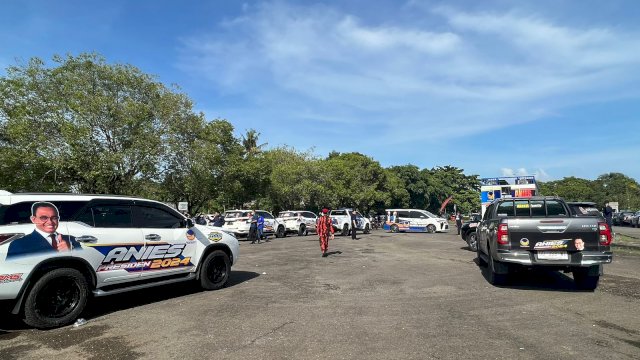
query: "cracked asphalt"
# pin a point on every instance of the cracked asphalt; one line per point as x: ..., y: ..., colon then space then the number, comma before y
x: 383, y: 296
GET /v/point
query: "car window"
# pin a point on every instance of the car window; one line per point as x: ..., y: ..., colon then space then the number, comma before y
x: 522, y: 208
x: 265, y: 214
x: 403, y: 214
x: 505, y: 208
x: 156, y: 218
x: 339, y: 212
x: 287, y: 214
x: 555, y: 208
x: 20, y: 213
x: 107, y: 216
x: 230, y: 215
x: 488, y: 213
x: 537, y: 208
x: 309, y: 215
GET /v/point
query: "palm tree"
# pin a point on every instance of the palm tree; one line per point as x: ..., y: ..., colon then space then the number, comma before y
x: 250, y: 142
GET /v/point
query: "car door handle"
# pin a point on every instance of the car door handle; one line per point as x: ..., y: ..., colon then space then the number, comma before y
x: 153, y: 237
x: 87, y: 239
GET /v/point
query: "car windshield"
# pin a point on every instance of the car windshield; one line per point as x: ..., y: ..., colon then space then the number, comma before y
x: 235, y: 214
x: 430, y: 214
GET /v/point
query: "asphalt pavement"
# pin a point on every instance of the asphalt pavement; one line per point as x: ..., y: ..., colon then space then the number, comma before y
x: 383, y: 296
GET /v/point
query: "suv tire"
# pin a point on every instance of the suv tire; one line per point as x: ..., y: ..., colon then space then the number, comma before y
x: 56, y: 299
x: 472, y: 241
x: 431, y: 228
x: 303, y: 230
x: 367, y: 229
x: 345, y: 230
x: 215, y: 270
x: 280, y: 233
x: 494, y: 277
x: 394, y: 228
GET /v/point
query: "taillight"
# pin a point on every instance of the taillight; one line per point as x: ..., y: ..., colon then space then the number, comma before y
x: 503, y: 234
x: 605, y: 234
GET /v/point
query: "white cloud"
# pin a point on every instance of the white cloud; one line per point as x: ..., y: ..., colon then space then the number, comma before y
x: 485, y: 71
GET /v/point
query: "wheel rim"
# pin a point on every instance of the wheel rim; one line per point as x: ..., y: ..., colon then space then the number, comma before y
x: 58, y: 298
x: 431, y: 228
x: 217, y: 271
x: 394, y: 228
x: 473, y: 244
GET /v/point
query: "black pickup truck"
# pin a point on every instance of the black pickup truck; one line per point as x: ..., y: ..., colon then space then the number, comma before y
x: 517, y: 233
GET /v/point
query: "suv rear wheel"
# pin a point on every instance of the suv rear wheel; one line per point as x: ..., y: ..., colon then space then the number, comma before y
x: 367, y: 229
x: 303, y: 230
x: 56, y: 299
x: 495, y: 278
x: 345, y: 230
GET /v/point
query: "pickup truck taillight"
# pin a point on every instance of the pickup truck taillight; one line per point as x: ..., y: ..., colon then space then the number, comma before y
x: 503, y: 234
x: 605, y: 234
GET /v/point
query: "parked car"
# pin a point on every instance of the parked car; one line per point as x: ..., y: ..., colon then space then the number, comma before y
x: 540, y: 232
x: 341, y: 221
x: 58, y: 250
x: 635, y: 220
x: 239, y: 222
x: 414, y: 220
x: 622, y: 217
x: 300, y: 222
x: 468, y: 231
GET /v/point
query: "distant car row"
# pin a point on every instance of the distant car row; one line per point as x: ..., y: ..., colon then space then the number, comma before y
x: 626, y: 218
x: 300, y: 222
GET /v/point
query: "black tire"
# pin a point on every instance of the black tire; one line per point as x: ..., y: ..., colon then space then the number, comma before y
x: 56, y: 299
x: 367, y: 229
x: 303, y: 230
x: 584, y: 281
x: 280, y: 233
x: 431, y: 228
x: 494, y: 277
x: 394, y: 228
x: 345, y: 230
x: 215, y: 270
x: 472, y: 241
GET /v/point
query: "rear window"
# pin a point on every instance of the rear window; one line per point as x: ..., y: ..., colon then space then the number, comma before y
x: 584, y: 210
x: 339, y: 212
x: 505, y: 209
x: 20, y: 213
x: 555, y: 208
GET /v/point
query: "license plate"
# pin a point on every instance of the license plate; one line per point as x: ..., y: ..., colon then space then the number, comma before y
x: 553, y: 255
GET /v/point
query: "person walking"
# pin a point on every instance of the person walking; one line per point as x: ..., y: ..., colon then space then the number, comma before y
x: 354, y: 224
x: 325, y: 231
x: 458, y: 221
x: 253, y: 228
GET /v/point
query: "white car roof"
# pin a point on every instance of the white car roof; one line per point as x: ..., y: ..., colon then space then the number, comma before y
x: 7, y: 198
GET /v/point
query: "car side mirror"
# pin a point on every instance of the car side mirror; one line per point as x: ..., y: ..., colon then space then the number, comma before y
x: 189, y: 223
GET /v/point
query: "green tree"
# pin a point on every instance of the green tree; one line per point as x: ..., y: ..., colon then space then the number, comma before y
x: 85, y: 125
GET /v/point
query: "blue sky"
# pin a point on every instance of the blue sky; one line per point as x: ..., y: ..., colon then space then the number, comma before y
x: 497, y: 87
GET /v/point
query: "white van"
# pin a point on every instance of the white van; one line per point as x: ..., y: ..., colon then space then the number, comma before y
x: 414, y: 220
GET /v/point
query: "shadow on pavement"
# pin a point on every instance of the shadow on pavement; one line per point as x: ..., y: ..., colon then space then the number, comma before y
x: 101, y: 306
x: 536, y: 279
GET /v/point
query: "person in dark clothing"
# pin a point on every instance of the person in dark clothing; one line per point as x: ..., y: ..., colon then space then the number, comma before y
x: 608, y: 215
x: 253, y: 228
x: 458, y: 221
x: 218, y: 220
x: 354, y: 225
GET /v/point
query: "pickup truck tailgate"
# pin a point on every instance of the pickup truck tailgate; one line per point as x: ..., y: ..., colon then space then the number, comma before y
x: 570, y: 234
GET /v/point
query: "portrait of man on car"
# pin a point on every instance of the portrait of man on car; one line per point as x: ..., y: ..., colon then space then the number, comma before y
x: 45, y: 238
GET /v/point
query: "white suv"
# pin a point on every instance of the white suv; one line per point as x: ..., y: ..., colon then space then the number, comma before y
x: 299, y: 222
x: 56, y: 250
x: 239, y: 222
x: 341, y: 220
x: 414, y: 220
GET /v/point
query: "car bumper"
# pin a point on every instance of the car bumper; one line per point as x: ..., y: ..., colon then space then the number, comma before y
x: 580, y: 259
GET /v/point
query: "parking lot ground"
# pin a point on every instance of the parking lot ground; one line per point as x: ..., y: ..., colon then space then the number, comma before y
x: 383, y: 296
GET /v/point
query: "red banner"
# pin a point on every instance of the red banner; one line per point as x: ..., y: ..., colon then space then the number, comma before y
x: 445, y: 203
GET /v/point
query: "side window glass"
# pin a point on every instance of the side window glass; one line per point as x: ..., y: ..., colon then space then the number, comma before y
x: 522, y: 208
x: 108, y: 216
x: 505, y: 208
x: 150, y: 217
x: 403, y: 214
x: 537, y: 208
x: 555, y: 208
